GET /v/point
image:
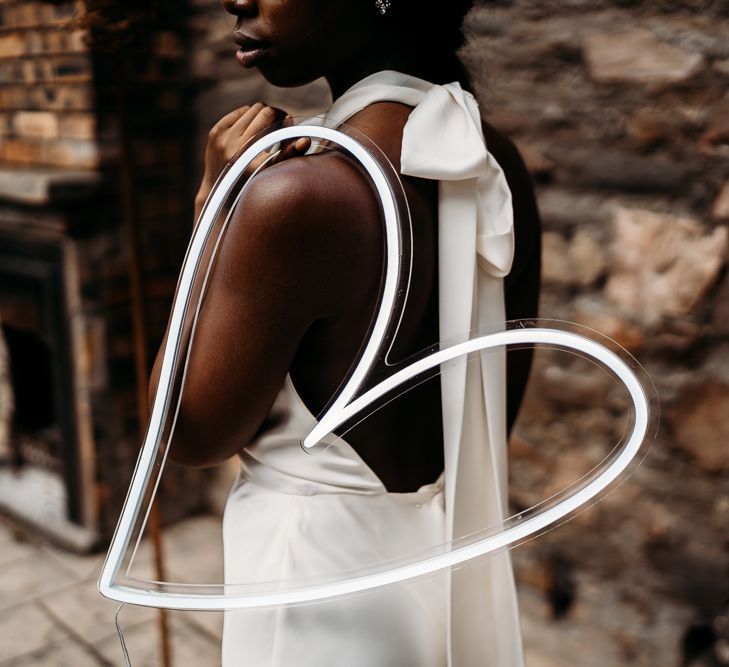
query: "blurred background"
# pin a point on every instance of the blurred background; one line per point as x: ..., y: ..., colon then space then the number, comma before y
x: 621, y: 111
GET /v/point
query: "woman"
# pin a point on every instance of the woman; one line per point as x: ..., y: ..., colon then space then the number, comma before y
x: 286, y: 310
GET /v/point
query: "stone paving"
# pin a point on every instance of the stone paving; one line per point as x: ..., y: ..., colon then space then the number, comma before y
x: 51, y: 614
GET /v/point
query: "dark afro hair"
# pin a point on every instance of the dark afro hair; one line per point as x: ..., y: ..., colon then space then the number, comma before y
x: 432, y: 29
x: 437, y: 23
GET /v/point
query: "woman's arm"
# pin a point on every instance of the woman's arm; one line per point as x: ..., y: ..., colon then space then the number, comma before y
x: 298, y: 248
x: 225, y: 139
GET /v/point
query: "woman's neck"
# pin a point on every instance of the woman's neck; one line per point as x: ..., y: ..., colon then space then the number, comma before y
x: 345, y: 77
x: 413, y: 63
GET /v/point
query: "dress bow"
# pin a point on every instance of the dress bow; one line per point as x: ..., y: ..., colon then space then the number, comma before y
x: 455, y: 150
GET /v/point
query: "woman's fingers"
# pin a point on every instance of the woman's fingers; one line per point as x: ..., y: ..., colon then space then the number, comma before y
x: 230, y: 134
x: 289, y: 149
x: 256, y: 113
x: 236, y: 127
x: 292, y: 148
x: 231, y: 118
x: 256, y: 120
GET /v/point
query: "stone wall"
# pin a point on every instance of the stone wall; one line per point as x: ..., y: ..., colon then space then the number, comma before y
x: 621, y: 110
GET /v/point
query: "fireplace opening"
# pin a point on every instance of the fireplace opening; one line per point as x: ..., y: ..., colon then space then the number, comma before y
x: 40, y: 450
x: 33, y: 433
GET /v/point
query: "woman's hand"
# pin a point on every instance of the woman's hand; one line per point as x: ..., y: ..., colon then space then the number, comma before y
x: 230, y: 134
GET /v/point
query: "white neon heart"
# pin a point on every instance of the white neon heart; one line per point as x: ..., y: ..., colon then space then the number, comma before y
x: 346, y: 405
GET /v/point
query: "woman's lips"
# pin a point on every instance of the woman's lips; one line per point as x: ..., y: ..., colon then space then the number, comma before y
x: 250, y: 50
x: 249, y: 57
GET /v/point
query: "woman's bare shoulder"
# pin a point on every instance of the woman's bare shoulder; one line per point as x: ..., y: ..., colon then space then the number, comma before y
x: 318, y: 215
x: 302, y: 243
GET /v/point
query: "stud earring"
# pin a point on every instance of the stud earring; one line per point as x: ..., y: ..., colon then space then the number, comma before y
x: 382, y: 6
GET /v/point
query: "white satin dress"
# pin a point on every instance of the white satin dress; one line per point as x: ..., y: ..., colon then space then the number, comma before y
x: 295, y: 516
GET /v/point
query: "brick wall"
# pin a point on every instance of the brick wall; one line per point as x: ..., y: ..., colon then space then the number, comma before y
x: 46, y: 93
x: 60, y: 124
x: 160, y: 156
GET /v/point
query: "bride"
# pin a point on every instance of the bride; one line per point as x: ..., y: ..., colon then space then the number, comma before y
x: 288, y: 305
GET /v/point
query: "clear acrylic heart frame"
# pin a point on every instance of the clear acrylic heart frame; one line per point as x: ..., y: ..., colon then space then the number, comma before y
x: 372, y: 380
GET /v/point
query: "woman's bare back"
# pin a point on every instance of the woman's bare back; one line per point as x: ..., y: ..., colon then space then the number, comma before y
x: 402, y: 441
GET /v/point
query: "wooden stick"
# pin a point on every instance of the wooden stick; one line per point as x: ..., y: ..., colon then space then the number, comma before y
x: 141, y: 362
